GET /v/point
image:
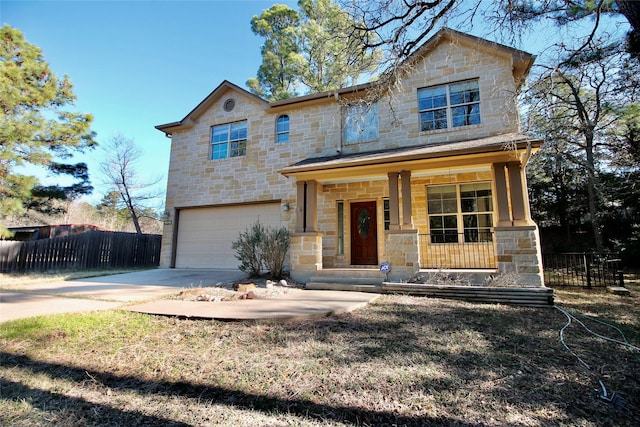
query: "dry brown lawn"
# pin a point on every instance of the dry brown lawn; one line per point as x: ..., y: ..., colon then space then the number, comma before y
x: 401, y: 361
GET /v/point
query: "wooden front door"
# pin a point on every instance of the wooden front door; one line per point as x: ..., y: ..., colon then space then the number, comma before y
x: 364, y: 234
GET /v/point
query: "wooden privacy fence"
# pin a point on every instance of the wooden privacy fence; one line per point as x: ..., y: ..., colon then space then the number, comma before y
x: 91, y: 250
x: 582, y: 269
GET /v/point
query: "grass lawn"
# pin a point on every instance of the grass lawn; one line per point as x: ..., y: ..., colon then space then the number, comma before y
x: 401, y: 361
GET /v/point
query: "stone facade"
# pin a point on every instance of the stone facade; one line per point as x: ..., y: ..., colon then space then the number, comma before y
x: 518, y: 252
x: 316, y: 131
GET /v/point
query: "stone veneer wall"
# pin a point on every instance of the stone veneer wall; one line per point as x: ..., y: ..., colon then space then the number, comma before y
x: 518, y: 251
x: 196, y: 180
x: 402, y: 253
x: 306, y: 255
x: 328, y: 214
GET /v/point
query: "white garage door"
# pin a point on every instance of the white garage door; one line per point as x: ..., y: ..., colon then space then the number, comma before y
x: 205, y: 234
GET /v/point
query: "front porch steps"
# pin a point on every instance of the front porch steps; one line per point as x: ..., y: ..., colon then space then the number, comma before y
x: 347, y: 279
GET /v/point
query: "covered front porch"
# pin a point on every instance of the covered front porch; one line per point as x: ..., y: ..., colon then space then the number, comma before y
x: 460, y: 208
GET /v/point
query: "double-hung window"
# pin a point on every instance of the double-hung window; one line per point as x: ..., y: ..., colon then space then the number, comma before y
x: 361, y: 123
x: 460, y: 212
x: 229, y: 140
x: 449, y: 106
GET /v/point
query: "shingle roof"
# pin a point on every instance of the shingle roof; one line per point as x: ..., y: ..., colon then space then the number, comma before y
x: 428, y: 151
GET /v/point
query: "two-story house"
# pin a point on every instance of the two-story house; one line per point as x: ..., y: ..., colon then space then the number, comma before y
x: 429, y: 176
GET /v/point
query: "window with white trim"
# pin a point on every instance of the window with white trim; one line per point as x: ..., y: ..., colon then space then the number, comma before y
x: 460, y: 212
x: 229, y: 140
x: 360, y: 123
x: 387, y: 214
x: 449, y: 106
x: 282, y: 129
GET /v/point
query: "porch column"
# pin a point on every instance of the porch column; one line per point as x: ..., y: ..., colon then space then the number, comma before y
x: 311, y: 218
x: 516, y: 188
x: 305, y: 250
x: 394, y: 204
x: 407, y: 215
x: 306, y: 211
x: 300, y: 206
x: 502, y: 197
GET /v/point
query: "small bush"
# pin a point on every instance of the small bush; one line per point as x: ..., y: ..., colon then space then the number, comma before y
x: 260, y: 247
x: 274, y: 248
x: 249, y: 250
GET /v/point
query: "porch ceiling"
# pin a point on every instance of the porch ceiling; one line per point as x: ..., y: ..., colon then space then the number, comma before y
x: 466, y: 155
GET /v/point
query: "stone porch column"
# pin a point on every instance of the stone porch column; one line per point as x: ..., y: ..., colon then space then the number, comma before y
x: 394, y: 204
x: 306, y: 206
x: 407, y: 213
x: 305, y: 250
x: 402, y: 252
x: 502, y: 196
x: 516, y: 189
x: 306, y: 255
x: 518, y: 251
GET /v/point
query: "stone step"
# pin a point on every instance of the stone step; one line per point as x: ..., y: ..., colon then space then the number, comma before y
x: 319, y: 286
x: 350, y: 273
x: 619, y: 290
x: 345, y: 280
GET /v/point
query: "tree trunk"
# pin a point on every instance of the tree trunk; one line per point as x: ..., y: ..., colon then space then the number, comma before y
x: 592, y: 194
x: 631, y: 10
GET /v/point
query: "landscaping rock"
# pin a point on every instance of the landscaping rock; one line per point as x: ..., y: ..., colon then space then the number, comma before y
x: 283, y: 283
x: 249, y: 295
x: 269, y: 284
x: 245, y: 287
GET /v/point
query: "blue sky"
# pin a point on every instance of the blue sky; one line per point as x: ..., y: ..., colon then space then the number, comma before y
x: 137, y: 64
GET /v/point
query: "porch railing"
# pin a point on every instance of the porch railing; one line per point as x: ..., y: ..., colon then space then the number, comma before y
x: 474, y: 250
x: 582, y: 269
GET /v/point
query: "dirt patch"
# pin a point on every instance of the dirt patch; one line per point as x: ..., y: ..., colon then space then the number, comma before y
x: 253, y: 288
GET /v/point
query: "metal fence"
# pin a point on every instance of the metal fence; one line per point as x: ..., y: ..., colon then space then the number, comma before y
x: 459, y: 250
x: 582, y: 269
x: 91, y: 250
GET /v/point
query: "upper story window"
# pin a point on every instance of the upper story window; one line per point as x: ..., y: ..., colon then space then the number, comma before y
x: 229, y: 140
x: 449, y: 106
x: 361, y: 123
x: 282, y: 129
x: 460, y: 212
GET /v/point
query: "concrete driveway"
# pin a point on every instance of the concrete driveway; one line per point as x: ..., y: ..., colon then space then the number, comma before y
x: 99, y: 293
x: 147, y: 289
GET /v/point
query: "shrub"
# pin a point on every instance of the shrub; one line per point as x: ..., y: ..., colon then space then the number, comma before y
x: 274, y: 248
x: 248, y: 249
x: 259, y: 246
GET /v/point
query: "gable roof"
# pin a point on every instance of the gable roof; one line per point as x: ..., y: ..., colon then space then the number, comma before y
x: 187, y: 121
x: 522, y: 62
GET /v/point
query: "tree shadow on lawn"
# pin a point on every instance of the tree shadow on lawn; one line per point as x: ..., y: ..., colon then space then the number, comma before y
x: 81, y: 411
x: 511, y: 355
x: 459, y: 354
x: 108, y: 415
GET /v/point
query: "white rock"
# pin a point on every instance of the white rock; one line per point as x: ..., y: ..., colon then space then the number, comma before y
x: 283, y: 283
x: 269, y: 284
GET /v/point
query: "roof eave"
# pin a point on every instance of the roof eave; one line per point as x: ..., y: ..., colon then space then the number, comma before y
x: 410, y: 157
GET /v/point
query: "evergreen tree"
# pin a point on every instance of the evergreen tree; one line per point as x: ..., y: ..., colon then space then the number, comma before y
x: 280, y: 53
x: 36, y: 128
